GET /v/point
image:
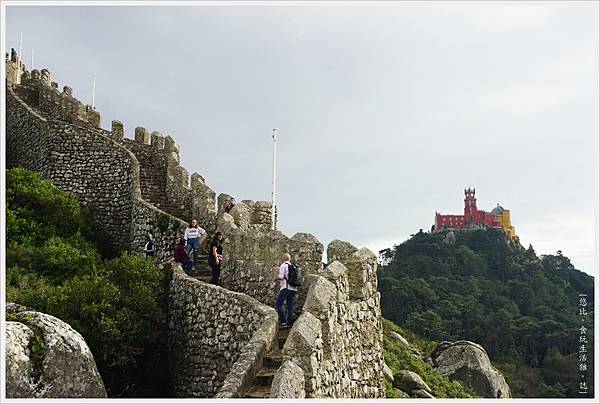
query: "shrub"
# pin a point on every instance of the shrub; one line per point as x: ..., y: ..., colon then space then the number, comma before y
x: 54, y: 265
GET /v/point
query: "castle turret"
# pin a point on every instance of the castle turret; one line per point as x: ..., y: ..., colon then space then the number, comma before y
x: 470, y: 205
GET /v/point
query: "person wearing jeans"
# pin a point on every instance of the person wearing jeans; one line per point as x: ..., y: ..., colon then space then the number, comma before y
x: 193, y: 235
x: 215, y: 257
x: 286, y: 293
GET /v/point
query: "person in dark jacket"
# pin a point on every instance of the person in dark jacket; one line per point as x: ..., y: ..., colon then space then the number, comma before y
x: 215, y: 257
x: 183, y: 257
x: 150, y: 247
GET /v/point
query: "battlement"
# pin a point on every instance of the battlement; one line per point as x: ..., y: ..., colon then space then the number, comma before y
x: 136, y: 187
x: 164, y: 182
x: 38, y: 90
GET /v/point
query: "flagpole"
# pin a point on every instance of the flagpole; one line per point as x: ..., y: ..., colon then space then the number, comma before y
x: 20, y: 57
x: 31, y: 68
x: 94, y: 93
x: 273, y: 180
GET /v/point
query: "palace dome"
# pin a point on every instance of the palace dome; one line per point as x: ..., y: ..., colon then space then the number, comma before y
x: 498, y: 210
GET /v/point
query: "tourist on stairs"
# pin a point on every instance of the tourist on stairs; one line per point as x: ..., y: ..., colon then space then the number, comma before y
x: 215, y: 257
x: 288, y: 286
x: 194, y: 235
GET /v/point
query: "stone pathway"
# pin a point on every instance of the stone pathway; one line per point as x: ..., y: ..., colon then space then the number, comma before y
x: 271, y: 362
x: 202, y: 272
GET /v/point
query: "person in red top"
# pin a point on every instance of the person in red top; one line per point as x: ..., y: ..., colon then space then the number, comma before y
x: 183, y: 257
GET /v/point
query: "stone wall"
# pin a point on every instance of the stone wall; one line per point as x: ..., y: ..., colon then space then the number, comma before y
x: 152, y: 168
x: 166, y: 230
x: 166, y: 184
x: 217, y: 337
x: 251, y: 259
x: 76, y: 159
x: 38, y: 90
x: 92, y: 164
x: 26, y: 136
x: 338, y: 339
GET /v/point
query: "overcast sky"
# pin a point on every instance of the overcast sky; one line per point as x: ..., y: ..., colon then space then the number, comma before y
x: 386, y: 112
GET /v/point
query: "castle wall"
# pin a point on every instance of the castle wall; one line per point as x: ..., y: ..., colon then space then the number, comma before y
x: 103, y: 175
x: 338, y: 339
x: 166, y: 230
x: 27, y: 143
x: 251, y: 259
x: 217, y: 338
x: 77, y: 160
x: 39, y: 91
x: 164, y: 183
x: 153, y: 171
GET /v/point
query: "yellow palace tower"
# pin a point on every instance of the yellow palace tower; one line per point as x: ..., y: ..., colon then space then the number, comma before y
x: 503, y: 217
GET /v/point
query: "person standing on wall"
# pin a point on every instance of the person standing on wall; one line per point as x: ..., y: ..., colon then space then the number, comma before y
x: 149, y: 248
x: 193, y: 235
x: 287, y: 277
x: 215, y: 257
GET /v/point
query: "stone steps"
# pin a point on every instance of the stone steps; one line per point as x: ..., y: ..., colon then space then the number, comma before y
x: 203, y: 278
x: 261, y: 388
x: 264, y: 377
x: 257, y: 392
x: 273, y: 359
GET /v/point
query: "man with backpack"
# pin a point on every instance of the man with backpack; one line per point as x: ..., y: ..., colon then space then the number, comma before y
x: 288, y: 278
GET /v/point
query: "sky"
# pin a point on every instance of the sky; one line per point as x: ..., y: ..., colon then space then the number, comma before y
x: 386, y: 112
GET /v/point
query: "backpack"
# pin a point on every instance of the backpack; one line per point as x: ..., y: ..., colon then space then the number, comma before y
x: 293, y: 275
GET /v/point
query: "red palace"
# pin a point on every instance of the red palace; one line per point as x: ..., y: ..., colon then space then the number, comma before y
x: 472, y: 218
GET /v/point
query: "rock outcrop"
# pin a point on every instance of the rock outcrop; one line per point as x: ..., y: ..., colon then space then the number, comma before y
x: 468, y: 362
x: 387, y: 373
x: 46, y: 358
x: 412, y: 382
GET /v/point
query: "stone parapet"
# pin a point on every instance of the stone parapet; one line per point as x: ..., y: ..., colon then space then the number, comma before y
x: 217, y: 338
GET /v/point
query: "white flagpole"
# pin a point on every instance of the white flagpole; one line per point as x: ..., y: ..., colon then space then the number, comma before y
x: 31, y: 68
x: 94, y: 93
x: 20, y: 57
x: 274, y: 176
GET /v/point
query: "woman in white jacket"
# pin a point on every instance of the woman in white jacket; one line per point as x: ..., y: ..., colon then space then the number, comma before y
x: 193, y: 236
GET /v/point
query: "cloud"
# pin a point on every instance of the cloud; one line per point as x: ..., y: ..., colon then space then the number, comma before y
x: 386, y: 111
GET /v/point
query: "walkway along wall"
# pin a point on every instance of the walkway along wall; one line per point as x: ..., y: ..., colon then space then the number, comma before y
x: 338, y: 339
x: 251, y: 259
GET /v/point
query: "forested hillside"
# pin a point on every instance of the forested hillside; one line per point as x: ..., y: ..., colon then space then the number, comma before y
x: 523, y: 309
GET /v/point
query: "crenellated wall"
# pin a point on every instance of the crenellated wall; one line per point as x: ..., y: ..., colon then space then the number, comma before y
x: 103, y: 174
x: 77, y: 160
x: 38, y: 90
x: 251, y: 258
x: 164, y: 182
x: 218, y: 338
x: 338, y: 339
x: 218, y: 335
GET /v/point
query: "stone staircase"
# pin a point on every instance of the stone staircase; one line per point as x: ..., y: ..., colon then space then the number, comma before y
x: 202, y: 271
x: 261, y: 388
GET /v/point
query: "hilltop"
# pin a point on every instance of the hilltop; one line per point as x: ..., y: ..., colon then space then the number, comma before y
x: 483, y: 287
